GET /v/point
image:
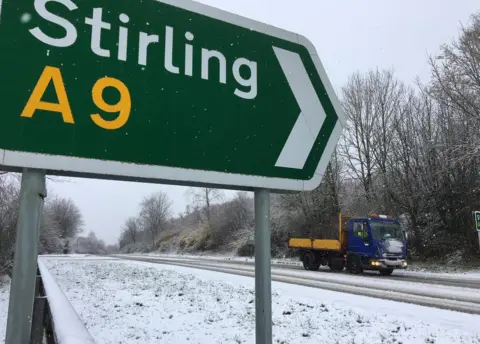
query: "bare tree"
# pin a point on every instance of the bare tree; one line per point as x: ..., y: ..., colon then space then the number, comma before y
x: 358, y: 140
x: 204, y: 198
x: 66, y: 215
x: 239, y: 212
x: 373, y: 104
x: 111, y: 249
x: 90, y: 244
x: 312, y: 213
x: 9, y: 198
x: 456, y: 71
x: 131, y: 230
x: 154, y: 214
x: 50, y: 233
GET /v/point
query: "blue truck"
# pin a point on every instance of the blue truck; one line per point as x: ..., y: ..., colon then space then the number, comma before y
x: 374, y: 242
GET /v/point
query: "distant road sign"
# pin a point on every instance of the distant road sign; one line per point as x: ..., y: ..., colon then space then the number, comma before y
x: 477, y: 220
x: 170, y: 91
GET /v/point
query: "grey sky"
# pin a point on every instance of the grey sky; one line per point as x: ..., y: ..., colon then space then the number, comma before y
x: 350, y: 36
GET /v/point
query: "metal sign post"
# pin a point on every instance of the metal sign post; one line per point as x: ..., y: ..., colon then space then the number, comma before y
x: 263, y: 278
x: 22, y: 289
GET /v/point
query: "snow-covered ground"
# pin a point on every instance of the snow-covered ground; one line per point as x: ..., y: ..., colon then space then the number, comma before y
x: 138, y: 302
x: 77, y: 256
x: 285, y: 261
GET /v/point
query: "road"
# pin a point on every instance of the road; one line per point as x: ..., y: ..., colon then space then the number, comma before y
x: 458, y: 281
x: 439, y: 292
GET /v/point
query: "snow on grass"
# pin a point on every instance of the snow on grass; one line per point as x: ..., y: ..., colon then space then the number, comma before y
x: 69, y: 328
x: 219, y: 257
x: 139, y: 302
x: 77, y: 256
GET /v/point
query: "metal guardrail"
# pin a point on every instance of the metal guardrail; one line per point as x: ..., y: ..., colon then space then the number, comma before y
x: 54, y: 319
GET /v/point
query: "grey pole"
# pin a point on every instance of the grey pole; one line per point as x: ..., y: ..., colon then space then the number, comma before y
x: 478, y: 238
x: 263, y: 277
x: 22, y: 288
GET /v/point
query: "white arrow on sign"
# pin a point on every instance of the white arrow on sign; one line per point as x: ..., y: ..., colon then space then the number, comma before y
x: 300, y: 142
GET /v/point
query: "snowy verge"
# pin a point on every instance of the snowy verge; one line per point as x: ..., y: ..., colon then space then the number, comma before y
x: 77, y: 256
x: 282, y: 261
x: 138, y: 302
x: 4, y: 298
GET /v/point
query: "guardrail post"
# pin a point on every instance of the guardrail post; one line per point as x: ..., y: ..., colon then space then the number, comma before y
x: 39, y: 311
x: 38, y: 320
x: 49, y: 335
x: 38, y: 284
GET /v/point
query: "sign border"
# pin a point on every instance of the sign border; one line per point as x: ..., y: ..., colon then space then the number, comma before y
x: 116, y: 170
x: 1, y: 4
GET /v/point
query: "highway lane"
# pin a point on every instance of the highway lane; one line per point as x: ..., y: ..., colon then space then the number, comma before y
x: 453, y: 281
x: 444, y: 297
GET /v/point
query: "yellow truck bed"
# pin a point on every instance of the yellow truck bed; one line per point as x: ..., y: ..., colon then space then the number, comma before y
x: 324, y: 244
x: 319, y: 244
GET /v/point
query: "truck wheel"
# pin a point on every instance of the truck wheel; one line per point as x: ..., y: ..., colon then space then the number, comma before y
x: 308, y: 261
x: 386, y: 272
x: 336, y: 264
x: 354, y: 265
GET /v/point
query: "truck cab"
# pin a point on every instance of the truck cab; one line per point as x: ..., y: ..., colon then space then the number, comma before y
x: 376, y: 243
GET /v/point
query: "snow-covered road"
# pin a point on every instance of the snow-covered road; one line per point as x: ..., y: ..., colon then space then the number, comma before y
x: 444, y: 297
x: 467, y: 280
x: 139, y: 302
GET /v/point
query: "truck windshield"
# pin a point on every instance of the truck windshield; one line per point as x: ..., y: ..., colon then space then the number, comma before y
x: 382, y: 230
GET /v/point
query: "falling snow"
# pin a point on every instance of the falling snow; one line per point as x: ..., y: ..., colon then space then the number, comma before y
x: 25, y: 18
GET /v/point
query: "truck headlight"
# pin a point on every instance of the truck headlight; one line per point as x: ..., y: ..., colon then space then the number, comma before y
x: 404, y: 264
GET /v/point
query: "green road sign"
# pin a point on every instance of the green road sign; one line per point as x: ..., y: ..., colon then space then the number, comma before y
x: 476, y: 214
x: 170, y: 91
